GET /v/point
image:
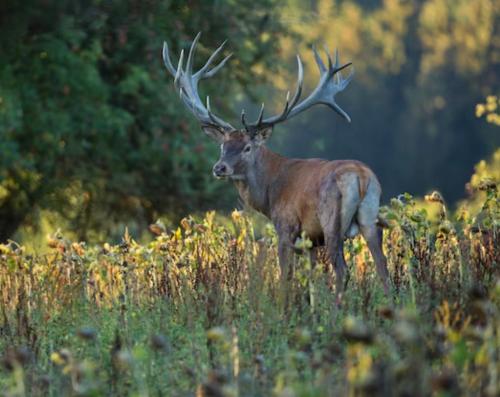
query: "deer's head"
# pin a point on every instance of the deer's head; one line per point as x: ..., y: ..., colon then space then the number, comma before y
x: 239, y: 147
x: 238, y: 152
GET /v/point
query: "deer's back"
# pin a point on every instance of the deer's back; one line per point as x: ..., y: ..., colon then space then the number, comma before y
x: 303, y: 187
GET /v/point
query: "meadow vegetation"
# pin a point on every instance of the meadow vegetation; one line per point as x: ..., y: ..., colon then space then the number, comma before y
x: 200, y: 310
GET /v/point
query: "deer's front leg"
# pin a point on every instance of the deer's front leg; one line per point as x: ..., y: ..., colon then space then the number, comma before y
x: 286, y: 238
x: 285, y: 255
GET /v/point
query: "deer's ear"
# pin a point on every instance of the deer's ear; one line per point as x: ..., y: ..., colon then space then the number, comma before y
x: 214, y: 133
x: 262, y: 135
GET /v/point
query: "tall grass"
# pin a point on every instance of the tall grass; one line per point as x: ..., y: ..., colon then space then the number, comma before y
x: 200, y: 311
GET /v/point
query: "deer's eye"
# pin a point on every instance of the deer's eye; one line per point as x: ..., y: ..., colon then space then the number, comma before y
x: 247, y: 149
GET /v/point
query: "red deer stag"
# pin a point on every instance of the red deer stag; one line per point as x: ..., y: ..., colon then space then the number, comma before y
x: 328, y: 200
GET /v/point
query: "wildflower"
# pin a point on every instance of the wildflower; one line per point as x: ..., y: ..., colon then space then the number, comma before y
x: 216, y: 386
x: 186, y: 224
x: 355, y: 330
x: 417, y: 217
x: 236, y: 215
x: 200, y: 228
x: 216, y: 333
x: 477, y: 293
x: 159, y: 342
x: 303, y: 242
x: 217, y: 376
x: 386, y: 312
x: 397, y: 203
x: 43, y: 382
x: 446, y: 227
x: 123, y: 360
x: 260, y: 366
x: 434, y: 197
x: 406, y: 331
x: 86, y: 333
x: 16, y: 357
x: 157, y: 228
x: 493, y: 118
x: 302, y: 337
x: 487, y: 184
x: 491, y: 103
x: 78, y: 248
x: 445, y: 381
x: 62, y: 357
x: 480, y: 109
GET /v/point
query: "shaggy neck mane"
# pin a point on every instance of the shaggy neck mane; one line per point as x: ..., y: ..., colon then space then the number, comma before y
x: 254, y: 188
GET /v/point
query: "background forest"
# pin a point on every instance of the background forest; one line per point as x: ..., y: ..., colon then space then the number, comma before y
x: 93, y: 135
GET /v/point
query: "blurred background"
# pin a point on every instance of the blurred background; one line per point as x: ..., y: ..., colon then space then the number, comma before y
x: 93, y: 136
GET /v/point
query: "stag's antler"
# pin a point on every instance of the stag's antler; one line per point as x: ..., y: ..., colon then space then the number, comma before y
x: 187, y: 83
x: 330, y: 83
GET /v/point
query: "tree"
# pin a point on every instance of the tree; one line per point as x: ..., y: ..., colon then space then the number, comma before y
x: 90, y: 125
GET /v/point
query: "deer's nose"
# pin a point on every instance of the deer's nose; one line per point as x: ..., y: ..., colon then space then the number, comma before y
x: 220, y: 169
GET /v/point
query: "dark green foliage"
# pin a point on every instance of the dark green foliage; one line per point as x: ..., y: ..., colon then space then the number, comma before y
x: 91, y: 129
x: 90, y: 125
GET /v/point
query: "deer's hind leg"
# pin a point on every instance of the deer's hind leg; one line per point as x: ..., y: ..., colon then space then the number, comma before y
x: 372, y: 233
x: 373, y: 236
x: 332, y: 216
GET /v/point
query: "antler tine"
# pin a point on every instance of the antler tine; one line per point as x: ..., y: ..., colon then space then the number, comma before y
x: 330, y: 83
x: 261, y: 114
x: 212, y: 116
x: 336, y: 70
x: 284, y: 112
x: 327, y: 52
x: 201, y: 73
x: 348, y: 79
x: 319, y: 61
x: 215, y: 69
x: 287, y: 102
x: 282, y: 115
x: 208, y: 107
x: 166, y: 59
x: 244, y: 119
x: 187, y: 85
x: 192, y: 50
x: 300, y: 83
x: 217, y: 120
x: 179, y: 71
x: 339, y: 79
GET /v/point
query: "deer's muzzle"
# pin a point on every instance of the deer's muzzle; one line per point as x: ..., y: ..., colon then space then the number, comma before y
x: 222, y: 170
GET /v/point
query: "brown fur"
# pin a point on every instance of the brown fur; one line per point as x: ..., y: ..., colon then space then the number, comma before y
x: 297, y: 183
x: 328, y: 200
x: 325, y: 199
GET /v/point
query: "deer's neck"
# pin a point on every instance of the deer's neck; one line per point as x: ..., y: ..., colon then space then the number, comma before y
x: 254, y: 189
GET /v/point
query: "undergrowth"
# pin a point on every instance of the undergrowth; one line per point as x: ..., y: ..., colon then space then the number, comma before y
x: 200, y: 311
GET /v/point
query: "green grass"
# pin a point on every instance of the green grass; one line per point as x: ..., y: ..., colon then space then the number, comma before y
x: 201, y: 311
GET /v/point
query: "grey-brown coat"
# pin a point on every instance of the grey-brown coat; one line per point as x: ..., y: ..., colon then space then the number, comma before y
x: 328, y: 200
